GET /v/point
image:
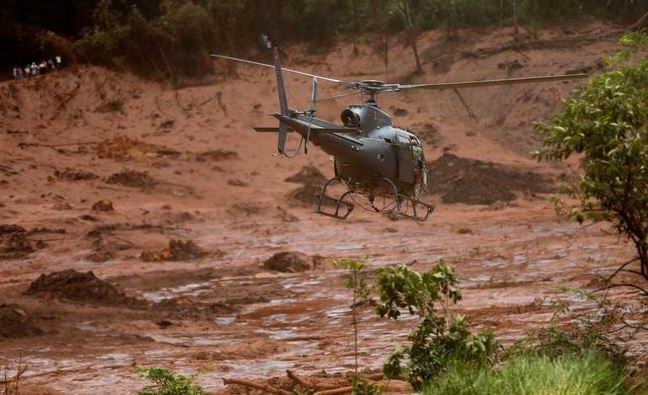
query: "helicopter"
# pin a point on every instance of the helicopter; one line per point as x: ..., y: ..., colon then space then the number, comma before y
x: 373, y: 158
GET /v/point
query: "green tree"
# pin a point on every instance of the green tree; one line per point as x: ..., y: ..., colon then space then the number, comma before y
x: 439, y: 340
x: 606, y: 122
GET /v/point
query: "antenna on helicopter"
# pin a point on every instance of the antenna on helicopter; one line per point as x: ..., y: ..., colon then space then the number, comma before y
x: 314, y: 89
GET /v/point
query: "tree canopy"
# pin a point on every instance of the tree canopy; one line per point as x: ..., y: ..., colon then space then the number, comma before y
x: 606, y: 122
x: 185, y: 30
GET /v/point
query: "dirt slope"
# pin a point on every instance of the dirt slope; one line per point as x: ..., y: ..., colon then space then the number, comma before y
x: 99, y: 169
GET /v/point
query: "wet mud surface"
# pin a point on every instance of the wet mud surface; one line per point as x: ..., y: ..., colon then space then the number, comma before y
x: 141, y: 237
x: 231, y: 317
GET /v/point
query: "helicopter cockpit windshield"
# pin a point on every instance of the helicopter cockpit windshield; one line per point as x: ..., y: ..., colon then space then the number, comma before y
x: 367, y: 118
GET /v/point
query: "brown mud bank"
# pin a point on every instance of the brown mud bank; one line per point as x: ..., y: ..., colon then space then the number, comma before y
x: 151, y: 212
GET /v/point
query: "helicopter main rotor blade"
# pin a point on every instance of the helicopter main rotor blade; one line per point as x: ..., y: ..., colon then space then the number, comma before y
x: 346, y: 83
x: 504, y: 81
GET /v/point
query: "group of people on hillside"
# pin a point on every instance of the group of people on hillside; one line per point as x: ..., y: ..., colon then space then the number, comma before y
x: 34, y: 69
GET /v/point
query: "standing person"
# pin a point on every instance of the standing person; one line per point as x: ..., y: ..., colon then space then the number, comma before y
x: 15, y: 74
x: 59, y: 61
x: 20, y: 72
x: 27, y: 72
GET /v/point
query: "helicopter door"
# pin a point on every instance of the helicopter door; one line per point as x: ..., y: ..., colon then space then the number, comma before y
x: 405, y: 162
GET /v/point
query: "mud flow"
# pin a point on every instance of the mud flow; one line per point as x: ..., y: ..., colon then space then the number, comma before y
x: 163, y: 231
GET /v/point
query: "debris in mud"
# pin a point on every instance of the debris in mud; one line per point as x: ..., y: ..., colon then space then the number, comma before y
x: 62, y: 206
x: 307, y: 175
x: 69, y: 174
x: 133, y: 179
x: 104, y: 205
x: 115, y: 105
x: 177, y: 250
x: 285, y: 216
x: 428, y: 133
x: 312, y: 178
x: 168, y: 124
x: 10, y: 229
x: 123, y: 226
x: 400, y: 112
x: 163, y: 324
x: 244, y: 208
x: 216, y: 155
x: 295, y: 262
x: 235, y: 182
x: 79, y: 287
x: 305, y: 194
x: 470, y: 181
x: 41, y: 230
x: 510, y: 66
x: 322, y: 383
x: 17, y: 323
x: 100, y: 256
x: 125, y: 148
x: 14, y: 243
x: 184, y: 307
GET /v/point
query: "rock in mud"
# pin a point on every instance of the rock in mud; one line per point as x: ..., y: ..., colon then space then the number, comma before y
x: 100, y: 256
x: 17, y: 323
x: 79, y: 287
x: 104, y: 205
x: 295, y: 262
x: 11, y: 228
x: 133, y: 179
x: 307, y: 175
x: 470, y: 181
x: 235, y: 182
x: 14, y: 243
x: 216, y: 155
x: 125, y: 148
x: 306, y: 194
x: 70, y: 174
x: 285, y: 216
x: 177, y: 250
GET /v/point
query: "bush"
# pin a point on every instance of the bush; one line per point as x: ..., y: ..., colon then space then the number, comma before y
x: 588, y: 374
x: 167, y: 383
x: 438, y: 341
x: 606, y: 121
x: 172, y: 46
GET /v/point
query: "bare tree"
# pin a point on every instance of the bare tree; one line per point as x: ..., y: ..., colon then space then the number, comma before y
x: 641, y: 22
x: 406, y: 10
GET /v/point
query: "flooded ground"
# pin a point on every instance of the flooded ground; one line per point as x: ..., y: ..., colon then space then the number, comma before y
x: 237, y: 320
x: 175, y: 204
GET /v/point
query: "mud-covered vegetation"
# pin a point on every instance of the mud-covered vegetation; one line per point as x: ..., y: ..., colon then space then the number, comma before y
x: 172, y: 39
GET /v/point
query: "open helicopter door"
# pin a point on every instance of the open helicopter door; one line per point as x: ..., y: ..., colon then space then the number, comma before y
x: 405, y: 161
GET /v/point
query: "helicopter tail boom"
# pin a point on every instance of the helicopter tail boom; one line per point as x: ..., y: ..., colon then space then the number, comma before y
x: 281, y: 92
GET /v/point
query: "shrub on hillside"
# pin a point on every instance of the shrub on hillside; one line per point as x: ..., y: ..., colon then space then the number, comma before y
x: 173, y: 46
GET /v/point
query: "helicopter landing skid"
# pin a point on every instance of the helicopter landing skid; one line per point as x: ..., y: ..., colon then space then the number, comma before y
x: 406, y: 206
x: 339, y: 208
x: 412, y: 208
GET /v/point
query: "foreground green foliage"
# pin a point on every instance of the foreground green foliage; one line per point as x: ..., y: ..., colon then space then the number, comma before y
x: 167, y: 383
x: 607, y: 122
x: 589, y: 374
x: 438, y: 341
